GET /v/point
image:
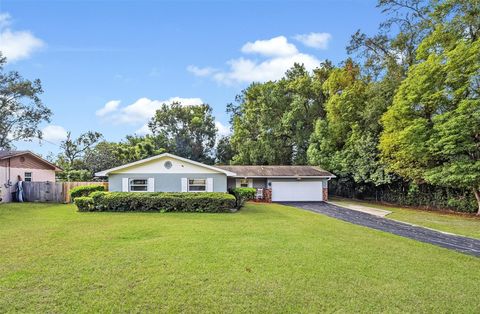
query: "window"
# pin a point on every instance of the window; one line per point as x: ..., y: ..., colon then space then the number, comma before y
x: 138, y: 185
x: 244, y: 183
x: 28, y: 177
x: 197, y: 185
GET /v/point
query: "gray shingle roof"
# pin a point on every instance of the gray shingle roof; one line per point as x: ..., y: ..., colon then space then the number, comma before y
x: 277, y: 171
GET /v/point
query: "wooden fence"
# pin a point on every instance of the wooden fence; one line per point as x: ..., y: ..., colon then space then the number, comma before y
x: 55, y: 192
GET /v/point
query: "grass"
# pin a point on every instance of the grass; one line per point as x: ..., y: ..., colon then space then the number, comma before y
x: 265, y: 258
x: 454, y: 223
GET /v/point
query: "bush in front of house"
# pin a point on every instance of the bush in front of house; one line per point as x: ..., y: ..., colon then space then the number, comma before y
x: 242, y: 195
x: 84, y: 203
x: 85, y: 190
x: 213, y: 202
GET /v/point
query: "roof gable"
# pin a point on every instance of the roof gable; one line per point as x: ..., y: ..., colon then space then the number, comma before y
x: 157, y: 164
x: 17, y: 153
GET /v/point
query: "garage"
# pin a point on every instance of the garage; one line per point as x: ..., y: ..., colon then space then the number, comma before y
x: 297, y: 191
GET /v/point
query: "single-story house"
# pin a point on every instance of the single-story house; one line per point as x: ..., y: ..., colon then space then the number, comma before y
x: 29, y: 166
x: 170, y: 173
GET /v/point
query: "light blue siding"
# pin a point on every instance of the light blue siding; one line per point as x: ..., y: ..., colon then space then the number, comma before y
x: 171, y: 182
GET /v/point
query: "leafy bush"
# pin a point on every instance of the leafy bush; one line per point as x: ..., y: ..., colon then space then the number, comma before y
x: 84, y: 203
x: 85, y: 190
x: 242, y: 195
x: 161, y: 202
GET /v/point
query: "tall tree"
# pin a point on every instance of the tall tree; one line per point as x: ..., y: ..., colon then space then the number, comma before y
x: 431, y: 131
x: 272, y: 121
x: 346, y: 141
x: 74, y: 149
x: 224, y: 151
x: 21, y: 109
x: 189, y: 131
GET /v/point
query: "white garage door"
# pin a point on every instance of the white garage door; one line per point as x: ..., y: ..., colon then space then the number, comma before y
x: 297, y: 191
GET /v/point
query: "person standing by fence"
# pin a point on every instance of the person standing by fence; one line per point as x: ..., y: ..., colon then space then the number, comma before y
x: 19, y: 190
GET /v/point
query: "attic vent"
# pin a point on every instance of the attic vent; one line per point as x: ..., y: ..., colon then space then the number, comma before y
x: 168, y: 164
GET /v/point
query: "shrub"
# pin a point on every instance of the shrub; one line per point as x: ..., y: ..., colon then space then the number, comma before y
x: 85, y: 190
x: 242, y: 195
x: 84, y: 203
x: 162, y: 202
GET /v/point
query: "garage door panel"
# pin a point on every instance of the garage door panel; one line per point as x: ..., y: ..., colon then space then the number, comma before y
x: 297, y: 191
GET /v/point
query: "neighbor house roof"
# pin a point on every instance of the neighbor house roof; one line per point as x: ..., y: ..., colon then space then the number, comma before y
x: 277, y: 171
x: 5, y: 154
x: 106, y: 172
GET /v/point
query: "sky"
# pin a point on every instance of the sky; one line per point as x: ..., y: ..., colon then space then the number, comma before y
x: 107, y: 65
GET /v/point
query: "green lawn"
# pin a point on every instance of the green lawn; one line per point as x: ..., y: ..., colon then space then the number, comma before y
x: 464, y: 225
x: 265, y: 258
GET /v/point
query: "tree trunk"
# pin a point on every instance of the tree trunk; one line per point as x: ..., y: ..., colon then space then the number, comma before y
x: 477, y: 196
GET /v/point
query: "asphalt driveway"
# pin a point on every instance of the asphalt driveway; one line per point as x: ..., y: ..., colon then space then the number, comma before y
x: 449, y: 241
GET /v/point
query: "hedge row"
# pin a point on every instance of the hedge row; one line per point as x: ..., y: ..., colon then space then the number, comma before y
x: 157, y: 202
x: 85, y: 190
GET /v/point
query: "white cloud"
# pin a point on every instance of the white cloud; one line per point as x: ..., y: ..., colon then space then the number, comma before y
x: 201, y: 71
x: 279, y: 56
x: 246, y: 70
x: 222, y: 129
x: 16, y: 45
x: 141, y: 110
x: 109, y: 107
x: 54, y: 133
x: 277, y: 46
x: 314, y: 40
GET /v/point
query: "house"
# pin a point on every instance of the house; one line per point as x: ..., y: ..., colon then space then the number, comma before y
x: 170, y: 173
x: 31, y: 167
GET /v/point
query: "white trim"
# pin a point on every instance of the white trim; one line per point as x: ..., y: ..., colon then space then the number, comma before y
x: 106, y: 172
x: 151, y: 185
x: 184, y: 184
x: 125, y: 184
x: 209, y: 184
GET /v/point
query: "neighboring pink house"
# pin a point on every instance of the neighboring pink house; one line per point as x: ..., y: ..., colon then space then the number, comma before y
x: 30, y: 167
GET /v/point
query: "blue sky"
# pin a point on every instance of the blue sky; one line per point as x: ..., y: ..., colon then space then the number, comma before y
x: 106, y: 65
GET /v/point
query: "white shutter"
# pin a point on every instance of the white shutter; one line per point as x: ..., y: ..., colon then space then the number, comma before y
x: 184, y: 185
x: 151, y: 185
x: 124, y: 184
x: 209, y: 184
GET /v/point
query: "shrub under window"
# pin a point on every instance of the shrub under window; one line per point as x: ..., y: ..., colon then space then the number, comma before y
x: 208, y: 202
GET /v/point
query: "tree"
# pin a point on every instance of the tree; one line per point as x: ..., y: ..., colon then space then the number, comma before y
x: 224, y: 151
x: 346, y: 141
x: 73, y: 151
x: 272, y: 121
x: 432, y: 129
x: 102, y: 156
x: 21, y: 109
x: 189, y: 131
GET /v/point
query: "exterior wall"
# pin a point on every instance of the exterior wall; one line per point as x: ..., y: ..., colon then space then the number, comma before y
x: 158, y: 166
x: 258, y: 183
x: 38, y: 175
x: 168, y: 182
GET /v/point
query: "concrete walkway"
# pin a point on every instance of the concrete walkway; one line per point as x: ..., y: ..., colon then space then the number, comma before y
x: 365, y: 209
x: 453, y: 242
